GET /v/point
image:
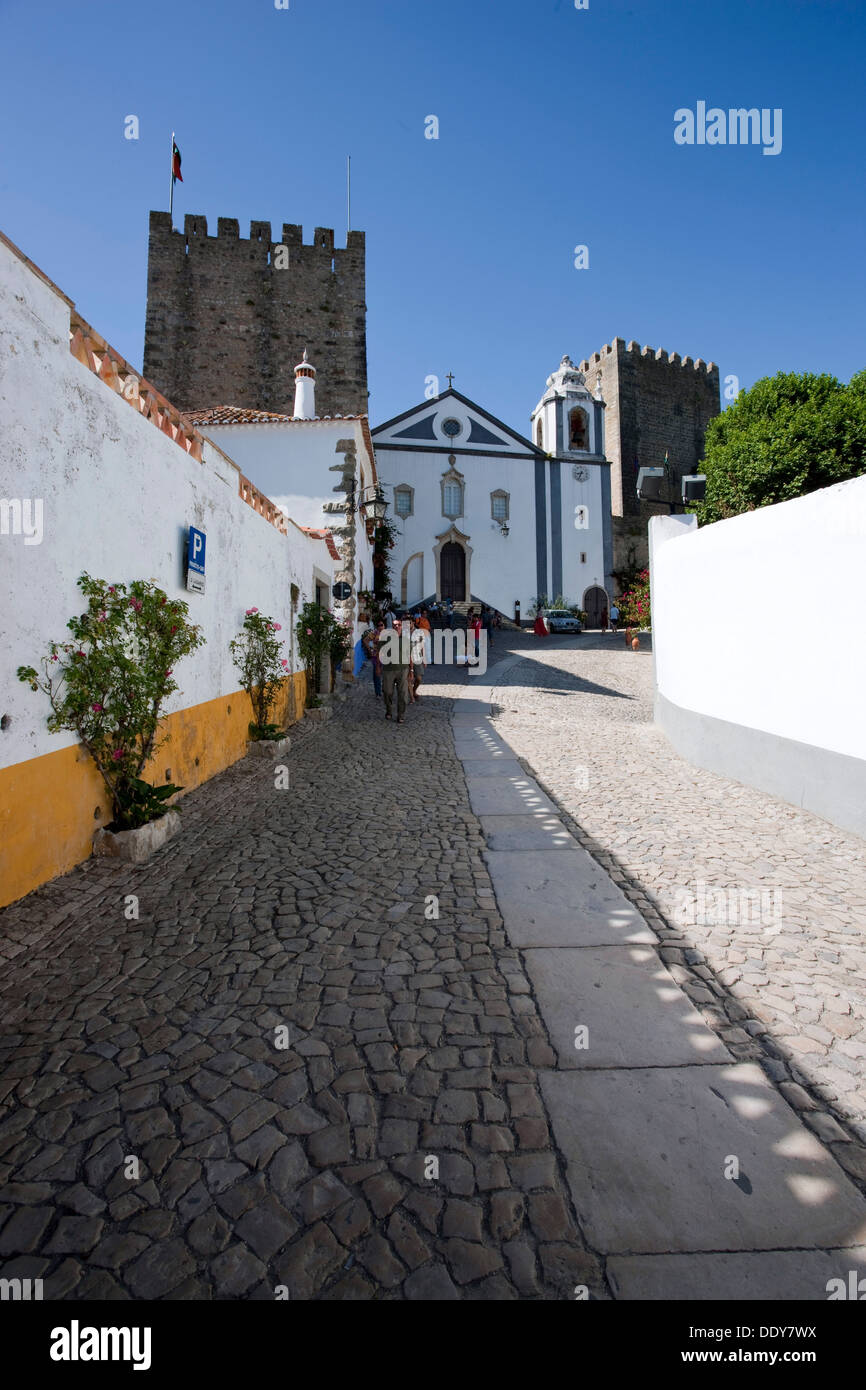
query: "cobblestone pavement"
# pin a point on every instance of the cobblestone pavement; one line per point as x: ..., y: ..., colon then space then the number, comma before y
x: 787, y: 989
x: 157, y: 1141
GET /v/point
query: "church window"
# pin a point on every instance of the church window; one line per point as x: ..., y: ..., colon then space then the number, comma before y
x: 578, y: 429
x: 499, y: 505
x: 452, y: 499
x: 404, y: 500
x: 539, y: 434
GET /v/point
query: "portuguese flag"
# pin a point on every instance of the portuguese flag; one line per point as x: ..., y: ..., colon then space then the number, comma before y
x: 175, y: 164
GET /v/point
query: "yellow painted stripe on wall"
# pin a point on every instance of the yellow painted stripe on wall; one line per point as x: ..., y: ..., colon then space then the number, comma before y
x: 48, y: 804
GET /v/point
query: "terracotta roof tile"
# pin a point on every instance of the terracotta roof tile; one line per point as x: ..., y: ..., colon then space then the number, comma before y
x: 320, y: 533
x: 244, y: 415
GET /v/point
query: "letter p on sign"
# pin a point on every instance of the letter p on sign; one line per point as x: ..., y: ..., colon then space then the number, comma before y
x: 195, y: 560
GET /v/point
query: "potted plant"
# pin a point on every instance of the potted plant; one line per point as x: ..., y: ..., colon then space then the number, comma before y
x: 339, y: 648
x: 313, y: 633
x: 257, y: 654
x: 108, y: 686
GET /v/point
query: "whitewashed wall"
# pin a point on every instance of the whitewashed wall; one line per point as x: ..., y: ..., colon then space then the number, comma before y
x: 291, y: 463
x: 118, y: 496
x: 759, y: 652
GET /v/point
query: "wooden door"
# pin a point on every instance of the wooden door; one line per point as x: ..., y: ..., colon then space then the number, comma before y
x: 595, y: 603
x: 452, y: 570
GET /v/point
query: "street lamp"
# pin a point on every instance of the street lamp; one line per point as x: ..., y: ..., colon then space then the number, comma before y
x: 377, y: 504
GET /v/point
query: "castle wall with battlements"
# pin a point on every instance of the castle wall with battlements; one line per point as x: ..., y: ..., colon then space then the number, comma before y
x: 228, y: 318
x: 656, y: 402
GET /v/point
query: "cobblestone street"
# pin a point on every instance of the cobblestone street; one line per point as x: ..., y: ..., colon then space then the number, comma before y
x: 411, y: 1139
x: 302, y: 1167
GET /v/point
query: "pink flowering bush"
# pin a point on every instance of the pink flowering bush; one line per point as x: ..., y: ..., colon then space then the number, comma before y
x: 634, y: 606
x: 109, y: 684
x: 319, y: 632
x: 257, y: 654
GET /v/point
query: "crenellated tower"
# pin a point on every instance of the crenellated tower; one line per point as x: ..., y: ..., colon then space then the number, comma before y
x: 656, y: 402
x: 228, y: 318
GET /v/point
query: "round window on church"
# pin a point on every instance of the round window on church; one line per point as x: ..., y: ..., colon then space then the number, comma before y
x: 451, y: 427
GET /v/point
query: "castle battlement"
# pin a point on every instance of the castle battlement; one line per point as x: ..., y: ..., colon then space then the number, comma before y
x: 228, y: 229
x: 619, y: 347
x: 228, y: 316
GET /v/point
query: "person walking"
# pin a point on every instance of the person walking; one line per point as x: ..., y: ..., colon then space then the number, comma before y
x: 371, y: 647
x: 487, y: 622
x: 614, y: 617
x: 540, y: 629
x: 473, y: 625
x: 424, y: 624
x: 418, y: 649
x: 449, y: 613
x: 396, y: 658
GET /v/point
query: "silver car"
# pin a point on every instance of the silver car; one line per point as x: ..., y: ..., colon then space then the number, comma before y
x: 560, y: 620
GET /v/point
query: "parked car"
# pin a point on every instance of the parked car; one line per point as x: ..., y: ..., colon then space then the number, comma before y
x: 560, y: 620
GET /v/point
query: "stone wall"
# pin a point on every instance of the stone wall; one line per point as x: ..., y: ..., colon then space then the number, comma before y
x: 229, y: 318
x: 656, y: 401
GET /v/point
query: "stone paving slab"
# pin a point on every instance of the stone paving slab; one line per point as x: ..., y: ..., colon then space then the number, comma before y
x: 539, y: 831
x: 550, y: 899
x: 476, y: 768
x: 646, y: 1152
x: 786, y: 1275
x: 509, y: 795
x: 634, y: 1013
x: 481, y: 749
x: 696, y: 852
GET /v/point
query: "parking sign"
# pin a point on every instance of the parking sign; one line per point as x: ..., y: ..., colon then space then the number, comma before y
x: 195, y: 560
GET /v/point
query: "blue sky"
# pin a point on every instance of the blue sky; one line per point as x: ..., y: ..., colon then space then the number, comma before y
x: 556, y: 129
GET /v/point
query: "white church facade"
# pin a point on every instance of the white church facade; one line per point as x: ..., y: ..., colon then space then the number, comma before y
x: 486, y: 515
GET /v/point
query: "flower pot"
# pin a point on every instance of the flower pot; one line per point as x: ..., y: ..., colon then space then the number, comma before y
x: 318, y: 716
x: 268, y: 747
x: 136, y: 846
x: 635, y: 643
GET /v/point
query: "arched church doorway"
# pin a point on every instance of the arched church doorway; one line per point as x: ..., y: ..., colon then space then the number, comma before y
x: 595, y: 606
x: 452, y: 570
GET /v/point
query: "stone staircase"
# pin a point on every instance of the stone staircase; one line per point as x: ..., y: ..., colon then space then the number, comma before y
x: 461, y: 609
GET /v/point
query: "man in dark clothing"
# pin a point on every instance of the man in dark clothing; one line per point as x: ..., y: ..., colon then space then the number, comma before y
x: 395, y: 655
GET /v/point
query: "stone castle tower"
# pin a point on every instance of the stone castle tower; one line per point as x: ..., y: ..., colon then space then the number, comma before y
x: 228, y: 319
x: 655, y: 402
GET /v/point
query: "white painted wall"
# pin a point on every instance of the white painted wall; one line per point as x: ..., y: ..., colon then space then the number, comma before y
x: 757, y: 620
x: 577, y: 576
x: 118, y: 496
x: 291, y: 461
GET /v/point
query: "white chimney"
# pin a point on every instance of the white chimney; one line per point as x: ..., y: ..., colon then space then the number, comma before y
x: 305, y: 390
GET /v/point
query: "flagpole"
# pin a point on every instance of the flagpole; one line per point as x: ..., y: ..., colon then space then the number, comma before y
x: 348, y: 194
x: 171, y: 193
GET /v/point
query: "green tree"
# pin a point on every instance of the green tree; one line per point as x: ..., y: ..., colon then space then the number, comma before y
x: 787, y: 435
